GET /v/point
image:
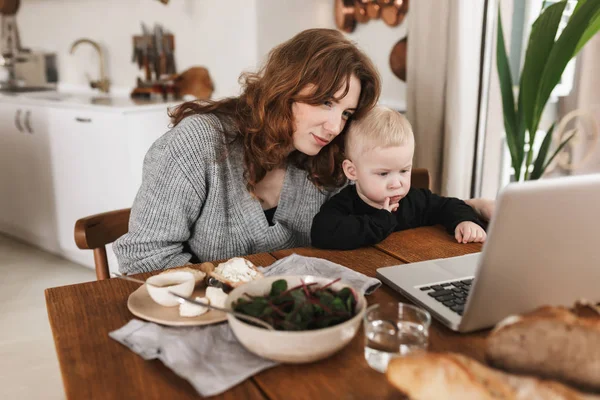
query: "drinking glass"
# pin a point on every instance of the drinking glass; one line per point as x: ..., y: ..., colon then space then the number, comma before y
x: 394, y: 330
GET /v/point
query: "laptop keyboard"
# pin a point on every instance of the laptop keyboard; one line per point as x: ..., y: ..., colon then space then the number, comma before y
x: 451, y: 294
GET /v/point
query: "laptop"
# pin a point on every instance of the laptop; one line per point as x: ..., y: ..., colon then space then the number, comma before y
x: 542, y: 248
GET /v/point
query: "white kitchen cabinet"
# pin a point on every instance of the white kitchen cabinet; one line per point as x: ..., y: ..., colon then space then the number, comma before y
x: 58, y: 164
x: 8, y: 139
x: 102, y: 155
x: 90, y: 168
x: 27, y: 204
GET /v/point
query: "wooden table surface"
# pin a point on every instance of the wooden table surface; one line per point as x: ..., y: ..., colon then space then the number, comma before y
x: 95, y: 366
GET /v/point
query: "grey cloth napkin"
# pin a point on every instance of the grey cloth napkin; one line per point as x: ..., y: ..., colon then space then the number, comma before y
x: 210, y: 357
x: 300, y: 265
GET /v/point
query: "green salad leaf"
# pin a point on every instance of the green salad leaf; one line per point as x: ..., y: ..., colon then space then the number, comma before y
x: 303, y: 307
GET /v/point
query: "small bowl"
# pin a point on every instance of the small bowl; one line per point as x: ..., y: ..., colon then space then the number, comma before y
x: 293, y: 346
x: 180, y: 282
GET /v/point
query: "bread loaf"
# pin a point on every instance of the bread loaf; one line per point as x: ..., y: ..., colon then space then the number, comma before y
x: 551, y: 342
x: 440, y: 376
x: 431, y: 376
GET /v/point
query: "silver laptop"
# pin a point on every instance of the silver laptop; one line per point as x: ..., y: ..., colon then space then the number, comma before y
x: 543, y: 247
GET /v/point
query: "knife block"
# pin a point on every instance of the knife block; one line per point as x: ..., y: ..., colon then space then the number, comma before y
x: 144, y: 51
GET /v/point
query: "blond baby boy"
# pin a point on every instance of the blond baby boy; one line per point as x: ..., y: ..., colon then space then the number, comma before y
x: 379, y: 151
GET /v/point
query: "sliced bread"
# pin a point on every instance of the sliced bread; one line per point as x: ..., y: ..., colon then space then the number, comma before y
x: 236, y: 272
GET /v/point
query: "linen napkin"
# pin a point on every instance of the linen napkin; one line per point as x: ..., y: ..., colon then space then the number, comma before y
x: 210, y: 357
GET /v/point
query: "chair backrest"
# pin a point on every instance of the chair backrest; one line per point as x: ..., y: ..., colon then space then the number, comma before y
x: 96, y: 231
x: 419, y: 178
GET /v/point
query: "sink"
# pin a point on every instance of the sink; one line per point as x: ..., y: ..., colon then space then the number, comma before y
x: 106, y: 101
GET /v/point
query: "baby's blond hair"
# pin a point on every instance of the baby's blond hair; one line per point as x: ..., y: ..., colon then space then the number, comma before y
x: 380, y: 127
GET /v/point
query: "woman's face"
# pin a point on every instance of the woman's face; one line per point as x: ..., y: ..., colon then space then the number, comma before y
x: 318, y: 125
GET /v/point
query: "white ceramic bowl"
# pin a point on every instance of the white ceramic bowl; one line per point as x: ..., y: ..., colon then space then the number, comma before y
x: 180, y: 282
x: 293, y: 346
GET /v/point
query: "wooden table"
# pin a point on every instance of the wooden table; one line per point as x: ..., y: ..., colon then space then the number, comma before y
x: 95, y: 366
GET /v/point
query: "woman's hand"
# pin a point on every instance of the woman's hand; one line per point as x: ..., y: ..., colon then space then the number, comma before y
x: 484, y: 208
x: 467, y: 232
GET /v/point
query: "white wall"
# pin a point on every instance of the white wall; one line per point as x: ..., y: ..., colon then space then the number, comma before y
x: 220, y: 35
x: 226, y: 36
x: 278, y: 20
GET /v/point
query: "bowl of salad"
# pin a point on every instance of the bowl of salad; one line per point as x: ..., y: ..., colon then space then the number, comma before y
x: 313, y: 317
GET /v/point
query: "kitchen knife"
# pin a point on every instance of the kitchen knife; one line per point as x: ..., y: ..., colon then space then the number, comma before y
x: 161, y: 60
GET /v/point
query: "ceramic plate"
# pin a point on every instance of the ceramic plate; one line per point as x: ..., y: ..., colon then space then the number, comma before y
x: 141, y: 305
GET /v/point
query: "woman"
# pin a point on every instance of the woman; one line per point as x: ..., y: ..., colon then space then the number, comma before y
x: 247, y: 174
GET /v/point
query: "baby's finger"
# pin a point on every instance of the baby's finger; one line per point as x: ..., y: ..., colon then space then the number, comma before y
x: 386, y: 204
x: 458, y: 234
x: 483, y: 236
x: 467, y: 233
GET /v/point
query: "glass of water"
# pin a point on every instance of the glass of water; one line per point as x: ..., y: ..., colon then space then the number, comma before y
x: 394, y: 330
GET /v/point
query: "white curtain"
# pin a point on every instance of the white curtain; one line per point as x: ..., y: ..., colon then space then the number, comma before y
x: 443, y: 67
x: 584, y: 149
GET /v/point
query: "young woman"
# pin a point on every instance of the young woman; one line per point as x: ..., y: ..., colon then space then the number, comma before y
x: 247, y: 174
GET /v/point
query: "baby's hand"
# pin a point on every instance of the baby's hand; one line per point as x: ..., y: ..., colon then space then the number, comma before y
x: 468, y: 231
x: 390, y: 207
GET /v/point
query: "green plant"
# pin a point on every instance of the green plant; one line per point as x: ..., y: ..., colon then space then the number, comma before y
x: 545, y: 60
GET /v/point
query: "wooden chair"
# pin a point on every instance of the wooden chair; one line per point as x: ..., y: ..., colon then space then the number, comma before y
x: 420, y: 178
x: 96, y: 231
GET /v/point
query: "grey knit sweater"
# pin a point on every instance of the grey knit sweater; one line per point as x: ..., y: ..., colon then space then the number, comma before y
x: 193, y: 204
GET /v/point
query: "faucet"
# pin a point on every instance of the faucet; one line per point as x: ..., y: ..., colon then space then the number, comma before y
x: 103, y: 84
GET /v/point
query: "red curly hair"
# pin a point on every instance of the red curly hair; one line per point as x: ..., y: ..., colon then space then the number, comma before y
x: 262, y: 116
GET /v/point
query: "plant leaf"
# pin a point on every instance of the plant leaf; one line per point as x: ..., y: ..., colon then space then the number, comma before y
x: 253, y: 308
x: 591, y: 30
x: 538, y: 169
x: 563, y: 51
x: 345, y: 293
x: 278, y: 287
x: 508, y: 101
x: 520, y: 136
x: 539, y: 49
x: 558, y: 149
x: 350, y: 304
x: 338, y: 304
x: 579, y: 3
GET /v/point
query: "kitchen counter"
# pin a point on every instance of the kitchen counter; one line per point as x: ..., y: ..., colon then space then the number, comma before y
x: 96, y: 101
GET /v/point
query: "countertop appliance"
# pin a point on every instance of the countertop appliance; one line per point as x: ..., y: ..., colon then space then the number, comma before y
x: 22, y: 69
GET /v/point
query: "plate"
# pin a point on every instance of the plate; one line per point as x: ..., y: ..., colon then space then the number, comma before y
x: 141, y: 305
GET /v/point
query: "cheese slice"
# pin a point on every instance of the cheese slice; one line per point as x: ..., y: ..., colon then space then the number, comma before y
x: 187, y: 309
x: 216, y: 296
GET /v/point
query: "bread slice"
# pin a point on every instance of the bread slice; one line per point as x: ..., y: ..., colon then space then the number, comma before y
x: 437, y: 376
x: 551, y: 342
x: 198, y: 275
x: 236, y: 271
